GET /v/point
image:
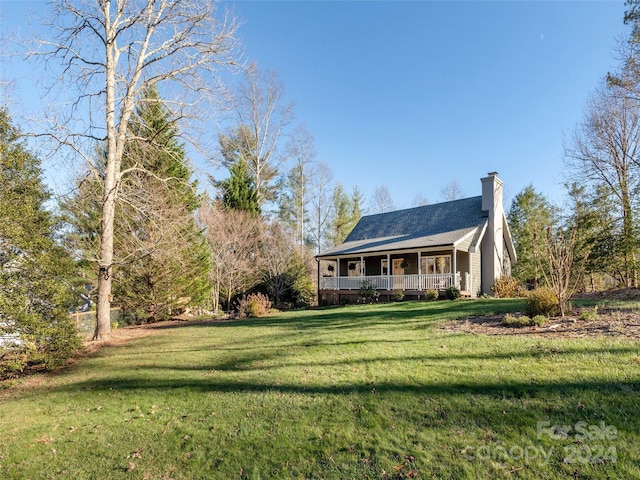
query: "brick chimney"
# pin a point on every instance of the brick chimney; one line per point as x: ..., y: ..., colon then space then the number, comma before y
x: 493, y: 242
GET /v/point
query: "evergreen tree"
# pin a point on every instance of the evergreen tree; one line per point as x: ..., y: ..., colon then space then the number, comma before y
x: 169, y: 266
x: 345, y: 214
x: 162, y: 259
x: 36, y: 274
x: 339, y: 223
x: 529, y: 215
x: 238, y: 191
x: 241, y: 147
x: 357, y: 199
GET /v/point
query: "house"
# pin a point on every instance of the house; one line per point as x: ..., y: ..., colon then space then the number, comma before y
x: 465, y: 243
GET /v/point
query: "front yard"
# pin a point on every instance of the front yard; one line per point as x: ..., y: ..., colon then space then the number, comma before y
x: 375, y: 391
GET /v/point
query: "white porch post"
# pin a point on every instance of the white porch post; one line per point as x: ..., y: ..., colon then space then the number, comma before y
x: 388, y: 271
x: 455, y: 269
x: 338, y: 274
x: 420, y: 284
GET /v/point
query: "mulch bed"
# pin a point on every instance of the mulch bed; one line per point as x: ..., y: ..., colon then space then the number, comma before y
x: 611, y: 321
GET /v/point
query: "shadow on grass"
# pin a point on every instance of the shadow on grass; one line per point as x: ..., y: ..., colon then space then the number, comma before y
x: 354, y: 315
x: 256, y: 362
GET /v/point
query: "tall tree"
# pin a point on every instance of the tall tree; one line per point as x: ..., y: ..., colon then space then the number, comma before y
x: 530, y: 213
x: 603, y: 154
x: 110, y: 52
x: 261, y: 117
x: 36, y: 274
x: 294, y: 200
x: 380, y: 201
x: 321, y: 207
x: 345, y: 214
x: 167, y: 264
x: 161, y: 258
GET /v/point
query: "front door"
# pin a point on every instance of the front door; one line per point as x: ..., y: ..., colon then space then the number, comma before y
x: 398, y: 272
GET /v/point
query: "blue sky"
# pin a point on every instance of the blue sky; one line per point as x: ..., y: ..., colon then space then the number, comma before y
x: 417, y: 94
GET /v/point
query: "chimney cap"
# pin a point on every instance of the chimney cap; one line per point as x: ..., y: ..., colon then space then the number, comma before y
x: 492, y: 174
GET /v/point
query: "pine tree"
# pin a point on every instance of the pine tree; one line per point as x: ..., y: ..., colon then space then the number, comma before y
x: 162, y: 259
x: 529, y: 215
x: 170, y: 256
x: 241, y: 147
x: 345, y: 214
x: 238, y: 192
x: 36, y: 274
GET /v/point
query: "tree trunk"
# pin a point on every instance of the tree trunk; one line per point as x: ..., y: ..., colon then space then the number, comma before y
x: 103, y: 321
x: 105, y: 260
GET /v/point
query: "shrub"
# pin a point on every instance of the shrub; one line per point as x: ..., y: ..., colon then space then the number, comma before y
x: 541, y: 301
x: 253, y: 306
x: 539, y: 320
x: 397, y: 296
x: 513, y: 321
x: 452, y: 293
x: 367, y: 293
x: 589, y: 315
x: 431, y: 295
x: 507, y: 287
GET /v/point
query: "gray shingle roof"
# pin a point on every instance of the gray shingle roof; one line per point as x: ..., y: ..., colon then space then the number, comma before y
x: 441, y: 224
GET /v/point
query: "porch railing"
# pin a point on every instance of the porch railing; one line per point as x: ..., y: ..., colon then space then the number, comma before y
x: 392, y: 282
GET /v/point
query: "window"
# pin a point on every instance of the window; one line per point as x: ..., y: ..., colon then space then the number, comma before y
x: 354, y: 269
x: 437, y: 265
x: 384, y: 266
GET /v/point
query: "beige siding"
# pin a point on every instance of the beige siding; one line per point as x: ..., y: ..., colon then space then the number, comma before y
x: 464, y: 245
x: 476, y: 266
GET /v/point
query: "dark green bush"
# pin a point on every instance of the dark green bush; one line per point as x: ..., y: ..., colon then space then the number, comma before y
x: 452, y: 293
x: 542, y: 301
x: 367, y: 293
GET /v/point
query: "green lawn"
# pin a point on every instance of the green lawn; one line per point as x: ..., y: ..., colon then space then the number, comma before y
x: 352, y: 392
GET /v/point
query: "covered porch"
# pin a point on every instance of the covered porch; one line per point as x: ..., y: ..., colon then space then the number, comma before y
x: 412, y: 272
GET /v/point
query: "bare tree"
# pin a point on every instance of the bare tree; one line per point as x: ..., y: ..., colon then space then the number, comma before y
x: 321, y: 189
x: 562, y: 268
x: 108, y: 53
x: 603, y: 154
x: 261, y: 117
x: 276, y: 259
x: 420, y: 200
x: 381, y: 201
x: 451, y: 191
x: 234, y: 239
x: 294, y: 202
